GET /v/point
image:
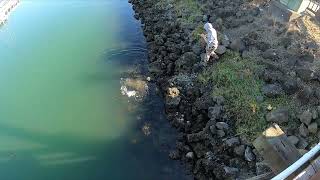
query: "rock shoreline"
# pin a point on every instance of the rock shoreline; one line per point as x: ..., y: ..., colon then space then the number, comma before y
x: 208, y: 142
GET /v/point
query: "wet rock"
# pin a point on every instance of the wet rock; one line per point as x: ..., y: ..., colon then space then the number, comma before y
x: 175, y: 155
x: 215, y: 112
x: 280, y: 115
x: 190, y: 155
x: 303, y: 130
x: 306, y: 117
x: 262, y: 168
x: 221, y: 50
x: 293, y: 139
x: 231, y: 171
x: 232, y: 142
x: 222, y: 126
x: 239, y: 150
x: 221, y: 133
x: 313, y: 127
x: 248, y: 154
x: 272, y: 90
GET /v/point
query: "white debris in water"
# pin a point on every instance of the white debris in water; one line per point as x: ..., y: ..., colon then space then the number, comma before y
x: 126, y: 92
x: 133, y: 88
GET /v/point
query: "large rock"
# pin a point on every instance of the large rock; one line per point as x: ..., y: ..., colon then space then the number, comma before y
x: 270, y: 54
x: 303, y: 130
x: 313, y: 127
x: 272, y: 90
x: 290, y: 86
x: 280, y: 115
x: 190, y: 155
x: 248, y: 154
x: 186, y: 61
x: 305, y: 94
x: 262, y: 168
x: 237, y: 45
x: 221, y: 133
x: 222, y: 126
x: 272, y: 76
x: 305, y: 73
x: 225, y: 41
x: 293, y: 139
x: 302, y: 144
x: 315, y: 114
x: 221, y: 50
x: 231, y: 171
x: 232, y: 142
x: 215, y: 112
x: 306, y: 117
x: 239, y: 150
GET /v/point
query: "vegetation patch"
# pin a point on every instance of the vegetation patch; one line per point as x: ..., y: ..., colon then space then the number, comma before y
x: 235, y: 80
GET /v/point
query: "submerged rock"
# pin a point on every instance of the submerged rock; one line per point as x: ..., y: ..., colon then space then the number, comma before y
x: 175, y: 155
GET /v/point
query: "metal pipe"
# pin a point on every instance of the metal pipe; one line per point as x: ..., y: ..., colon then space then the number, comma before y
x: 287, y: 172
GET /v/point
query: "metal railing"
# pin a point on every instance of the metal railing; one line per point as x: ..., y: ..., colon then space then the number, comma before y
x: 314, y: 6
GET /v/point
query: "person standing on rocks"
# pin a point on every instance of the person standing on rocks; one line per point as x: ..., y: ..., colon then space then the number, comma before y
x: 211, y: 38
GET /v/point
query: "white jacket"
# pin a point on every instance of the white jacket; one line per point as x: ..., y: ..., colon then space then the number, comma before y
x: 212, y: 37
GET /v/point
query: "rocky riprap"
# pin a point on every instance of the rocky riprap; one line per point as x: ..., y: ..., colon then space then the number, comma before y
x: 207, y: 142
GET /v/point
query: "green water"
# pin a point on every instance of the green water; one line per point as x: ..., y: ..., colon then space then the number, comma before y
x: 62, y: 116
